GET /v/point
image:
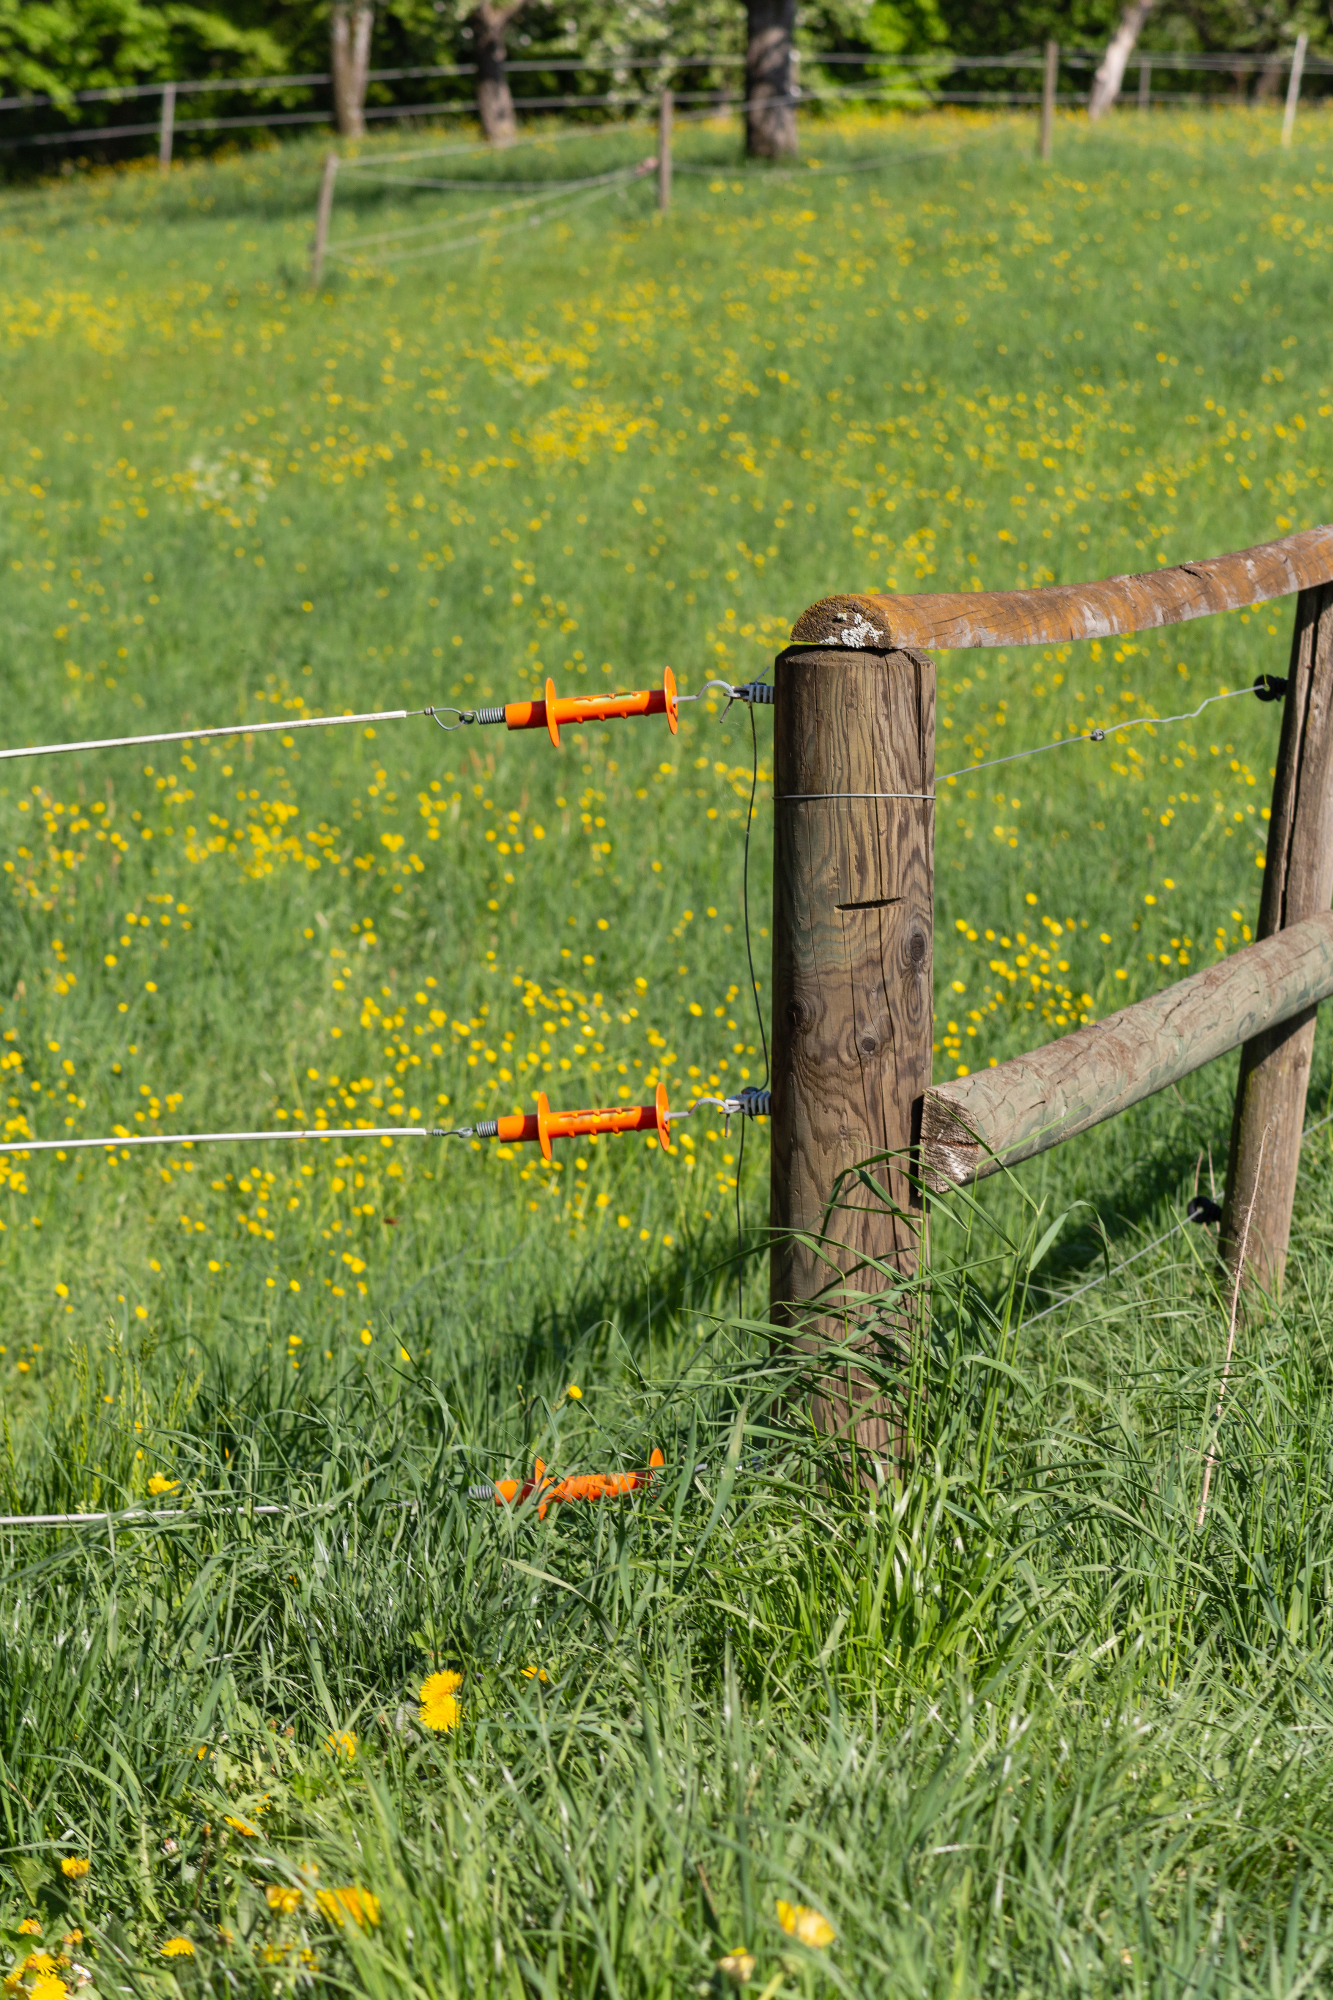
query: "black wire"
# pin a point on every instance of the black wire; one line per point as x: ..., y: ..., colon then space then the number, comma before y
x: 745, y: 899
x: 740, y: 1240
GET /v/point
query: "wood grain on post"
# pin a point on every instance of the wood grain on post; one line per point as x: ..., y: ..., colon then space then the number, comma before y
x: 1298, y: 884
x: 1057, y: 613
x: 853, y: 883
x: 1050, y: 75
x: 323, y: 217
x: 977, y: 1124
x: 664, y: 111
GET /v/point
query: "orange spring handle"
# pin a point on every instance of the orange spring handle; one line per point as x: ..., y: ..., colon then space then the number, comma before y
x: 543, y: 1124
x: 579, y: 708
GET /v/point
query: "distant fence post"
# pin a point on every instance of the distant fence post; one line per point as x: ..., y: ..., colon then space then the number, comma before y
x: 853, y: 886
x: 1298, y: 883
x: 166, y: 128
x: 323, y: 216
x: 1294, y: 87
x: 664, y: 111
x: 1145, y: 83
x: 1050, y: 76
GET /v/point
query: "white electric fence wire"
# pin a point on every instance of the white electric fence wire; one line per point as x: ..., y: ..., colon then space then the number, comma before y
x: 240, y: 1138
x: 621, y: 180
x: 203, y: 735
x: 355, y: 245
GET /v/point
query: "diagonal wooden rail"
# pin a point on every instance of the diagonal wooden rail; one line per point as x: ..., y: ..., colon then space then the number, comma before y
x: 853, y: 937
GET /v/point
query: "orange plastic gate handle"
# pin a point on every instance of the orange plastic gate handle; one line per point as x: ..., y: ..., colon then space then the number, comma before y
x: 579, y: 1486
x: 543, y: 1124
x: 578, y: 708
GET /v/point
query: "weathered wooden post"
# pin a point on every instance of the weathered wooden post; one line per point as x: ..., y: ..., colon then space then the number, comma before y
x: 1298, y: 883
x: 853, y: 887
x: 1050, y: 76
x: 1294, y: 87
x: 1145, y: 83
x: 166, y: 128
x: 323, y: 216
x: 664, y: 111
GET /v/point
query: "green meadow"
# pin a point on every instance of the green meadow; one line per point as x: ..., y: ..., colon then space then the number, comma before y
x: 1021, y: 1724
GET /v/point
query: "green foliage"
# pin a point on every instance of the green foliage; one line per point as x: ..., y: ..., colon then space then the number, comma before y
x: 1019, y: 1724
x: 60, y: 46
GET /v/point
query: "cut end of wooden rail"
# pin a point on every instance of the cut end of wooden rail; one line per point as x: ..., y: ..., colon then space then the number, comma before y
x: 1058, y: 613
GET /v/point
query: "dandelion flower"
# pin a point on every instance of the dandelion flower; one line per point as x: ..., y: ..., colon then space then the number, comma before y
x: 242, y: 1826
x: 439, y: 1704
x: 157, y: 1484
x: 805, y: 1925
x: 738, y: 1967
x: 358, y: 1904
x: 75, y: 1866
x: 30, y: 1927
x: 178, y: 1947
x: 280, y: 1896
x: 48, y: 1986
x: 341, y: 1744
x: 574, y: 1393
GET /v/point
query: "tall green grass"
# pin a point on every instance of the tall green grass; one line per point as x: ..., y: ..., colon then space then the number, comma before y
x: 1018, y: 1724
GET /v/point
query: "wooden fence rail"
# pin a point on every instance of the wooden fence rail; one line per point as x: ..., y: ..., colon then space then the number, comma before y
x: 853, y: 931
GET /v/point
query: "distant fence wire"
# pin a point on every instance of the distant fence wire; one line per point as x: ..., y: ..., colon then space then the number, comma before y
x: 935, y: 70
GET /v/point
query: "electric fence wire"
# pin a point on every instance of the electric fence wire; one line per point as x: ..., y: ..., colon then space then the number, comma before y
x: 1105, y: 1276
x: 235, y: 729
x: 609, y: 184
x: 355, y: 246
x: 1266, y: 688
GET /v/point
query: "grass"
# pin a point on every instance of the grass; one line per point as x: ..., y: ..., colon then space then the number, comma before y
x: 1018, y: 1726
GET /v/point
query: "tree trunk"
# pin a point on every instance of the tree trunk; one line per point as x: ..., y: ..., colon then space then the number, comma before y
x: 350, y: 23
x: 1111, y: 70
x: 770, y: 108
x: 495, y: 105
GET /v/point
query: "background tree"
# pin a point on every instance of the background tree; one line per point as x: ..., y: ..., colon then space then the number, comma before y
x: 350, y: 25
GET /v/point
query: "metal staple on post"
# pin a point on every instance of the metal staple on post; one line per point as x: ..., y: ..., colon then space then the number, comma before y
x: 323, y: 217
x: 1050, y: 75
x: 664, y: 151
x: 166, y: 128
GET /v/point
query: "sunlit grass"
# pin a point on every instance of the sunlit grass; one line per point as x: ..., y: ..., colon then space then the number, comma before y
x: 1017, y: 1727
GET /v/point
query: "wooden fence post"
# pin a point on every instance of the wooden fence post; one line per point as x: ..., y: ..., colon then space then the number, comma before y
x: 1050, y: 76
x: 166, y: 128
x: 1145, y: 83
x: 1298, y: 883
x: 664, y: 151
x: 1294, y: 87
x: 323, y: 216
x: 853, y: 884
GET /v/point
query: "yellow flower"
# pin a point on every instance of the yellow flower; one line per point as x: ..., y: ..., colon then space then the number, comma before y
x: 48, y: 1986
x: 535, y: 1673
x: 574, y: 1393
x: 806, y: 1925
x: 439, y: 1706
x: 75, y: 1866
x: 157, y: 1484
x: 39, y: 1961
x: 178, y: 1947
x: 30, y: 1927
x: 341, y: 1744
x: 738, y: 1967
x: 282, y: 1898
x: 242, y: 1826
x: 358, y: 1904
